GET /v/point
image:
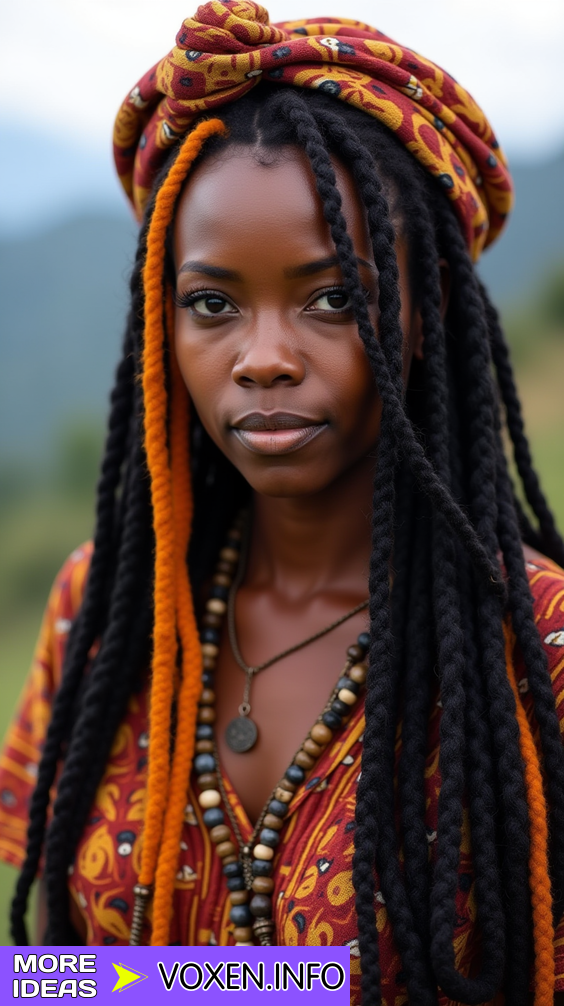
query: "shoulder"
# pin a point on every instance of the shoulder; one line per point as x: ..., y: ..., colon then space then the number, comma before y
x: 68, y: 588
x: 23, y: 744
x: 546, y: 583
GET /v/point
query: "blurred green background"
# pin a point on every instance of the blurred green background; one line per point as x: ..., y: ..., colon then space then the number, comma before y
x: 60, y: 340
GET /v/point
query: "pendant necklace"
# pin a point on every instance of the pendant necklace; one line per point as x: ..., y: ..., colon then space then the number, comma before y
x: 242, y: 732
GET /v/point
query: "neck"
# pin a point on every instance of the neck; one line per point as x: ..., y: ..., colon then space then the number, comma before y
x: 304, y: 545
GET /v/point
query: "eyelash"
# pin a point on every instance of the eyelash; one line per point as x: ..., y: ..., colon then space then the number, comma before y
x: 188, y: 298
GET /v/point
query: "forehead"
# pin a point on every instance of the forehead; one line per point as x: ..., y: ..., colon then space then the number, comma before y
x: 236, y: 198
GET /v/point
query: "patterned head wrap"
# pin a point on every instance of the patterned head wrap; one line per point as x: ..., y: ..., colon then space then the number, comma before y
x: 226, y: 48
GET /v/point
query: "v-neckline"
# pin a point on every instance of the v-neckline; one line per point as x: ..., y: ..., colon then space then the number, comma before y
x: 331, y: 758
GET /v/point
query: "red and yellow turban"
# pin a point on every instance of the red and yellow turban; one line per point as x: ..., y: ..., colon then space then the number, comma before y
x: 226, y: 48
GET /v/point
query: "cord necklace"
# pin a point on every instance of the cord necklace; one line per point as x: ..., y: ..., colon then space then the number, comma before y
x: 242, y: 732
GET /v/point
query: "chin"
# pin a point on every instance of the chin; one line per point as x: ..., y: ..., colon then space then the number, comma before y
x: 285, y: 483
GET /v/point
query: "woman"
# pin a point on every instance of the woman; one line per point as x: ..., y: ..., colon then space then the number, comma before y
x: 355, y: 572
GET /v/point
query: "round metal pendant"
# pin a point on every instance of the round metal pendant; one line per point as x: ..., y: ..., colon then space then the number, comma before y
x: 241, y: 734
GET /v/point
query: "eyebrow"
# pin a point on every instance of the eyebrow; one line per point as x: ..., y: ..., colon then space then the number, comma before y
x: 294, y: 272
x: 215, y: 271
x: 310, y: 268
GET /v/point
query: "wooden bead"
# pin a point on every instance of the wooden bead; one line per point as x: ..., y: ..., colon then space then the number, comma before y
x: 212, y: 621
x: 321, y: 734
x: 216, y: 605
x: 208, y: 780
x: 230, y: 859
x: 208, y: 663
x: 235, y: 533
x: 271, y: 821
x: 344, y: 695
x: 241, y: 934
x: 286, y: 784
x: 206, y: 714
x: 239, y: 897
x: 225, y: 567
x: 204, y: 747
x: 358, y: 673
x: 261, y: 906
x: 210, y: 650
x: 241, y: 943
x: 229, y: 555
x: 207, y: 698
x: 283, y: 795
x: 263, y: 852
x: 225, y: 849
x: 209, y: 798
x: 304, y: 760
x: 312, y: 748
x: 355, y: 652
x: 220, y: 833
x: 221, y: 580
x: 263, y: 885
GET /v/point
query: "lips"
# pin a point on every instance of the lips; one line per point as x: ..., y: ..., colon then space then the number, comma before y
x: 277, y: 433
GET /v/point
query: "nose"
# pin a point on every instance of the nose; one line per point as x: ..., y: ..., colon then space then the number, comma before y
x: 269, y: 356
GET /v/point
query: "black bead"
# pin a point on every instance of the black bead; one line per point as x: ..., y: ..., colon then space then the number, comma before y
x: 207, y: 679
x: 364, y: 640
x: 240, y: 915
x: 295, y: 774
x: 340, y: 708
x: 278, y: 808
x: 261, y: 868
x: 221, y: 592
x: 348, y: 683
x: 269, y: 837
x: 331, y: 720
x: 204, y: 732
x: 204, y: 763
x: 234, y: 543
x: 235, y: 883
x: 261, y: 906
x: 210, y: 636
x: 232, y: 870
x: 213, y: 816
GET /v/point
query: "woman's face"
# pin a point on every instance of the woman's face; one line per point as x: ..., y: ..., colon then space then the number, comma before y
x: 265, y: 337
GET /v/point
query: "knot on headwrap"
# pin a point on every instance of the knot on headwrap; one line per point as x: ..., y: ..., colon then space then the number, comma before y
x: 226, y: 48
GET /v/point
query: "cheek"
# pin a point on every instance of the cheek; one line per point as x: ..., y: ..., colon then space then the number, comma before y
x: 356, y: 398
x: 204, y: 371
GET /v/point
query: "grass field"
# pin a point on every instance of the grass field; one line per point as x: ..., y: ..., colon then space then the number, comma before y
x: 41, y: 527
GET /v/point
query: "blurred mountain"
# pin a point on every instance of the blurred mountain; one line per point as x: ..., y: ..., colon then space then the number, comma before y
x: 46, y: 177
x: 533, y: 241
x: 63, y: 299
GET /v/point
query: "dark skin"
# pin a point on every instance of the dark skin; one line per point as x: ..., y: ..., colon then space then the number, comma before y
x: 267, y: 337
x: 278, y: 337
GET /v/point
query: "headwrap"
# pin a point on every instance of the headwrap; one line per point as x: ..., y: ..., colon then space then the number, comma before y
x: 226, y: 48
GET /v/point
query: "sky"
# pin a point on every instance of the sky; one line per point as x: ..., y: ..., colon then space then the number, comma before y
x: 65, y: 66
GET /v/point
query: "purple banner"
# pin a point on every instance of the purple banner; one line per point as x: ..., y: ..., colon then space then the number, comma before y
x: 169, y: 974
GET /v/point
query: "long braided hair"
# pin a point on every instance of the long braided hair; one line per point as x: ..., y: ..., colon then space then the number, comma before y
x: 445, y: 515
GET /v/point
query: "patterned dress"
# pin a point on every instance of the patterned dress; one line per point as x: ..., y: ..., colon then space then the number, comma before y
x: 313, y: 894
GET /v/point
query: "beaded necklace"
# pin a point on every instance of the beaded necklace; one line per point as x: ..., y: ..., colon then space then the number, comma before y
x: 248, y: 869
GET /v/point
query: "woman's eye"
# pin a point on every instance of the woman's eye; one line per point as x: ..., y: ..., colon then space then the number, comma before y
x: 335, y: 301
x: 207, y: 305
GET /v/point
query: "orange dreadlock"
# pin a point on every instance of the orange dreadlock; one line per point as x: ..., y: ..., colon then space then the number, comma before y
x: 172, y: 516
x: 541, y: 897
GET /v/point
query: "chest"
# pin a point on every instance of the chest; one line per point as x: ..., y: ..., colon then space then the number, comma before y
x: 286, y: 699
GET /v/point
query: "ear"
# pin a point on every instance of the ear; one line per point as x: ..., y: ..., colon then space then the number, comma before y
x: 417, y: 321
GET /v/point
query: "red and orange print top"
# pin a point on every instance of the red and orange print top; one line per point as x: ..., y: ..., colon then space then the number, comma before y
x: 313, y: 894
